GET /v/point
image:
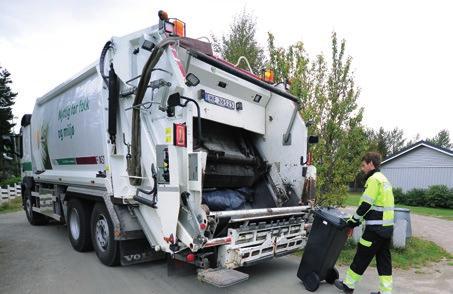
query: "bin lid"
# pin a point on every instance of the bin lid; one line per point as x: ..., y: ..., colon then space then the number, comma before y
x: 332, y: 215
x: 402, y: 209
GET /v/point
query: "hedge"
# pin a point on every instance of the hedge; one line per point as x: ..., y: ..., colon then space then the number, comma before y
x: 434, y: 196
x: 10, y: 181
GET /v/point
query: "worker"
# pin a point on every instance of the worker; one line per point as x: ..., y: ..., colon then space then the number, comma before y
x: 376, y: 208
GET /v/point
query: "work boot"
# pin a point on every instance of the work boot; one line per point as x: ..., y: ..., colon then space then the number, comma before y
x: 340, y: 285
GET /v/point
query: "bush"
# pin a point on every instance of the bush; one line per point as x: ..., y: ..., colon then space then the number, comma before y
x: 450, y: 199
x: 438, y: 196
x: 10, y: 181
x: 434, y: 196
x: 416, y: 197
x: 399, y: 195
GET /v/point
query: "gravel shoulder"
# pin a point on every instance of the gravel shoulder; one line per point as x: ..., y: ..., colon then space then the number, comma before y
x: 438, y: 230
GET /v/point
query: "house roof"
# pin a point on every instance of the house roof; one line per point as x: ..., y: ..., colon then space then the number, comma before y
x: 415, y: 146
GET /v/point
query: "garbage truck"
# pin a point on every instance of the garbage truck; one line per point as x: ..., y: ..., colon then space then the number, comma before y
x: 163, y: 149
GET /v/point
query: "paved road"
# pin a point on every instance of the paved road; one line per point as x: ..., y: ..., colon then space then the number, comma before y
x: 41, y: 260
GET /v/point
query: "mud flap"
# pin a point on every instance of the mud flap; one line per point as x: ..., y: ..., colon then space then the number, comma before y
x: 222, y: 277
x: 138, y: 251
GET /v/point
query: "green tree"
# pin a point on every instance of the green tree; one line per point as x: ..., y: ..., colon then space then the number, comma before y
x: 329, y: 99
x: 442, y: 139
x: 396, y: 140
x: 7, y: 97
x: 414, y: 140
x: 241, y: 41
x: 386, y: 142
x: 377, y: 141
x: 6, y: 101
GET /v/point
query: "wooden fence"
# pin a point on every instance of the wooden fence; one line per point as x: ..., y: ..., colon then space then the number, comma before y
x: 9, y: 193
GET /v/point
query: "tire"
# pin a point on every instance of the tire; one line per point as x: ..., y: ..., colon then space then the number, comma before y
x: 33, y: 217
x: 332, y: 275
x: 311, y: 282
x: 79, y: 231
x: 107, y: 249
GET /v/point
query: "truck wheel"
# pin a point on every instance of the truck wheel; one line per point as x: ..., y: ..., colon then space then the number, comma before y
x: 332, y: 275
x: 79, y: 225
x: 33, y: 217
x: 311, y: 282
x: 107, y: 249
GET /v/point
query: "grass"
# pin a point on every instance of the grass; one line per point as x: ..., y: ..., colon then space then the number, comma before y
x: 352, y: 199
x: 445, y: 213
x: 418, y: 253
x: 12, y: 205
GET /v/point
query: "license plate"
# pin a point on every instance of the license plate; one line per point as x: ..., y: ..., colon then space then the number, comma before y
x: 216, y: 100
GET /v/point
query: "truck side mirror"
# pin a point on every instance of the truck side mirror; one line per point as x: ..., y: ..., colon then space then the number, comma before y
x: 21, y: 145
x: 313, y: 140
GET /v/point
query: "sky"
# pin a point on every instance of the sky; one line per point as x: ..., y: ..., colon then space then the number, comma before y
x: 402, y: 50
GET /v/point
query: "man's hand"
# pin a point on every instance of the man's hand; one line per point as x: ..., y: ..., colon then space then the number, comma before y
x: 353, y: 222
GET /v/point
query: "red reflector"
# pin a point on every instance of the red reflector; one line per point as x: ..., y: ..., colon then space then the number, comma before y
x: 202, y: 226
x: 179, y: 135
x: 190, y: 257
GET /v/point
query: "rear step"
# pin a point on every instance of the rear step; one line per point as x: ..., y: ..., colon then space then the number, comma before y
x: 222, y: 277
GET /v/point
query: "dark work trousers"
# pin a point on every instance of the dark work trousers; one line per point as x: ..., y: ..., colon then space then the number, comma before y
x: 380, y: 247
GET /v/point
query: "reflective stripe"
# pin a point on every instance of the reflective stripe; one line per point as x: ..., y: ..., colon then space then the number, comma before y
x: 365, y: 242
x: 380, y: 208
x: 385, y: 284
x: 351, y: 278
x: 379, y: 222
x: 367, y: 198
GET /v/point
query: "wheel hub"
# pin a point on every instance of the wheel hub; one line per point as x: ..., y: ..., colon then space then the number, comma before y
x: 102, y: 232
x: 74, y: 224
x: 28, y: 207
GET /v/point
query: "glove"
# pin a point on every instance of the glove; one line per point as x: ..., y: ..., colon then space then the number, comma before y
x: 352, y: 222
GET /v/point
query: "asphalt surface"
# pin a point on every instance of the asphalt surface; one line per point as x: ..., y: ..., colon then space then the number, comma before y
x: 41, y: 260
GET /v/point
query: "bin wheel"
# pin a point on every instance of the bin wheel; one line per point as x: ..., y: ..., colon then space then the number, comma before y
x: 311, y: 282
x: 332, y: 275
